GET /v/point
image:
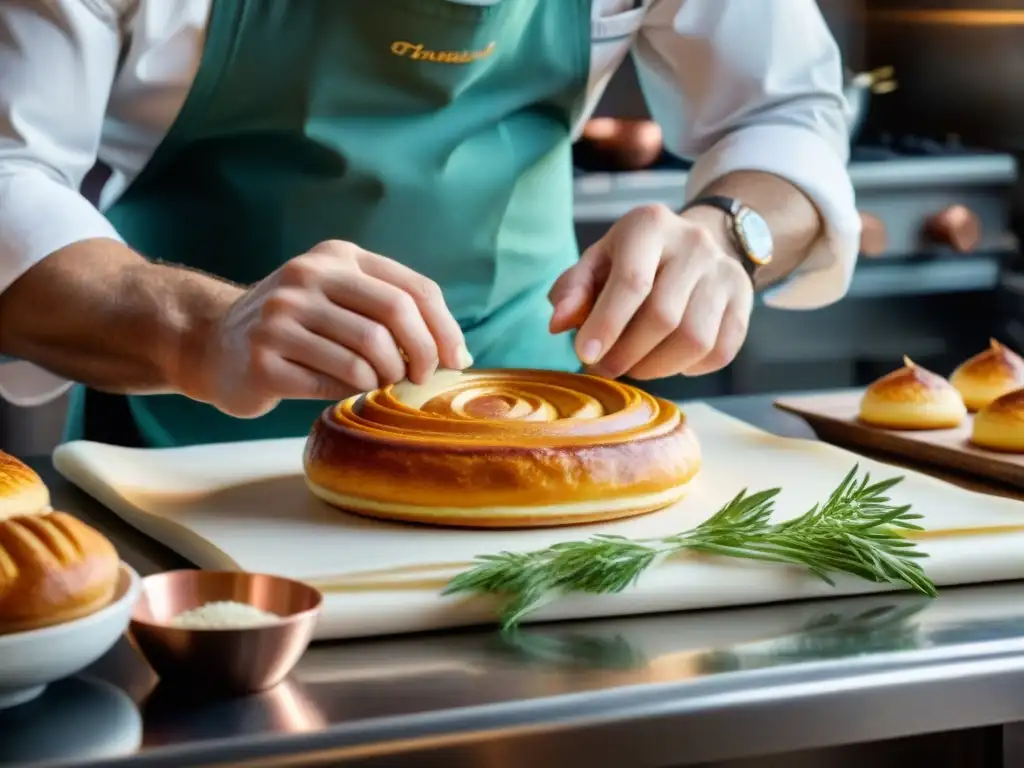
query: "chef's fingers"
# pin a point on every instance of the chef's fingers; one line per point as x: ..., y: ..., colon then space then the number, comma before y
x: 331, y: 356
x: 396, y: 318
x: 693, y: 339
x: 310, y: 325
x: 635, y: 255
x: 731, y: 335
x: 657, y: 319
x: 288, y: 380
x: 573, y: 294
x: 449, y: 342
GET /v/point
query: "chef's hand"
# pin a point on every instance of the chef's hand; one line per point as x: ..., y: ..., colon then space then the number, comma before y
x: 329, y: 323
x: 659, y: 294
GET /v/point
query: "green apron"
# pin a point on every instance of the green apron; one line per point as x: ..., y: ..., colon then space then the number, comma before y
x: 432, y: 132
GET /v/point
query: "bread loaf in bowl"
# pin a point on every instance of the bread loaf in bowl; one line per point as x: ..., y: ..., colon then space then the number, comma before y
x: 999, y: 426
x: 502, y: 449
x: 912, y: 398
x: 53, y: 567
x: 989, y: 375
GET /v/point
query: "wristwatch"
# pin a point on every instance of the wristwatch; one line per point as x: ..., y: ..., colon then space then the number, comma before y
x: 748, y: 231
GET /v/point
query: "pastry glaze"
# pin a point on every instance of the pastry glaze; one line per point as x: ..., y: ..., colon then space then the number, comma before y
x: 999, y: 426
x: 989, y: 375
x: 502, y: 449
x: 912, y: 397
x: 22, y: 492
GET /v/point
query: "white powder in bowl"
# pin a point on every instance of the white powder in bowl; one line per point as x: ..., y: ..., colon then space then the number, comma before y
x: 224, y: 614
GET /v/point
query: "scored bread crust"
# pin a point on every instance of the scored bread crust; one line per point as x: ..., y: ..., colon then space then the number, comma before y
x: 53, y: 567
x: 502, y: 449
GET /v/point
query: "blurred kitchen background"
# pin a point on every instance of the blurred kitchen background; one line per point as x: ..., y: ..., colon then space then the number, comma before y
x: 939, y: 127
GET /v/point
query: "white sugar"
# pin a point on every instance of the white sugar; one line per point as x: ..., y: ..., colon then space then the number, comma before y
x: 224, y: 614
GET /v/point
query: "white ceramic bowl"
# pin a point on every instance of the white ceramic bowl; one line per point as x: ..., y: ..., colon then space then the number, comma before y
x: 29, y: 661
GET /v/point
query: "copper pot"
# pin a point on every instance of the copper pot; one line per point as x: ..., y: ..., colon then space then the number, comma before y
x: 874, y: 238
x: 618, y: 144
x: 957, y: 227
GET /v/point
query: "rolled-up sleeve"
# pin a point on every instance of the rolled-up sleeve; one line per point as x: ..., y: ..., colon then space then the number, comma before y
x: 58, y: 59
x: 757, y: 85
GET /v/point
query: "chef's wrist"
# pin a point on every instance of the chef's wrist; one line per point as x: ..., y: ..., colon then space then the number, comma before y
x: 190, y: 332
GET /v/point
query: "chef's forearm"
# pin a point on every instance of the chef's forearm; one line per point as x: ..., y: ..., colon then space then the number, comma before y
x: 794, y: 221
x: 98, y: 313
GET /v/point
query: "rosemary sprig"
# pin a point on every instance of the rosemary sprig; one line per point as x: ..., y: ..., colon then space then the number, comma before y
x: 855, y: 531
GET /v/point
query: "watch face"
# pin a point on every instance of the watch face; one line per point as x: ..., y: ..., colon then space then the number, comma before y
x: 755, y: 235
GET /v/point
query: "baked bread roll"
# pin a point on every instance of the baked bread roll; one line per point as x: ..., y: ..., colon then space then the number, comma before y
x: 999, y: 426
x: 53, y: 568
x: 912, y: 398
x: 989, y: 375
x: 502, y: 449
x: 22, y: 492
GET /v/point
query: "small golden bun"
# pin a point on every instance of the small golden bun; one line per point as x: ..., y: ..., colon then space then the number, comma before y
x: 912, y: 398
x: 989, y: 375
x: 22, y: 492
x: 999, y: 426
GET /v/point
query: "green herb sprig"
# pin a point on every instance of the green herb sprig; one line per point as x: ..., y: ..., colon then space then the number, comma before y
x: 856, y: 531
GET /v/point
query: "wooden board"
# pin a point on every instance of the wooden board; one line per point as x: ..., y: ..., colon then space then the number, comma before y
x: 833, y: 417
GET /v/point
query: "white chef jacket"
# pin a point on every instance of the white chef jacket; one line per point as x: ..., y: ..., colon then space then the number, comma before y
x: 88, y: 80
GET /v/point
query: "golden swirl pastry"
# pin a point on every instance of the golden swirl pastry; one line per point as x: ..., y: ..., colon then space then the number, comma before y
x: 502, y: 449
x: 912, y: 397
x: 999, y: 426
x: 989, y: 375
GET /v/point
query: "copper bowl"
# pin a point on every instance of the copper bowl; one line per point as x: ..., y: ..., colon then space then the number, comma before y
x: 227, y: 661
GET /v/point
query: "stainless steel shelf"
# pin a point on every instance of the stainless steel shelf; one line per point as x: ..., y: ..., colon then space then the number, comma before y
x: 601, y: 197
x: 962, y: 275
x: 902, y: 193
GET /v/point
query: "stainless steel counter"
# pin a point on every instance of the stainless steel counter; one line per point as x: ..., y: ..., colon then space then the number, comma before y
x: 716, y: 687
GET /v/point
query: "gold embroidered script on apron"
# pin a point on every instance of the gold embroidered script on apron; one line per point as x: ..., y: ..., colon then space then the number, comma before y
x: 418, y: 52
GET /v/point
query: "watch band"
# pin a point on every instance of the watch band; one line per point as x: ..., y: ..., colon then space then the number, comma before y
x: 729, y: 205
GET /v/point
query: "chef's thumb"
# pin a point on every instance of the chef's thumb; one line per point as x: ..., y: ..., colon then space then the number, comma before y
x: 572, y: 296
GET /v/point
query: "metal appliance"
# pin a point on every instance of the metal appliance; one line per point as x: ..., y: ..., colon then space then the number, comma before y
x: 960, y: 62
